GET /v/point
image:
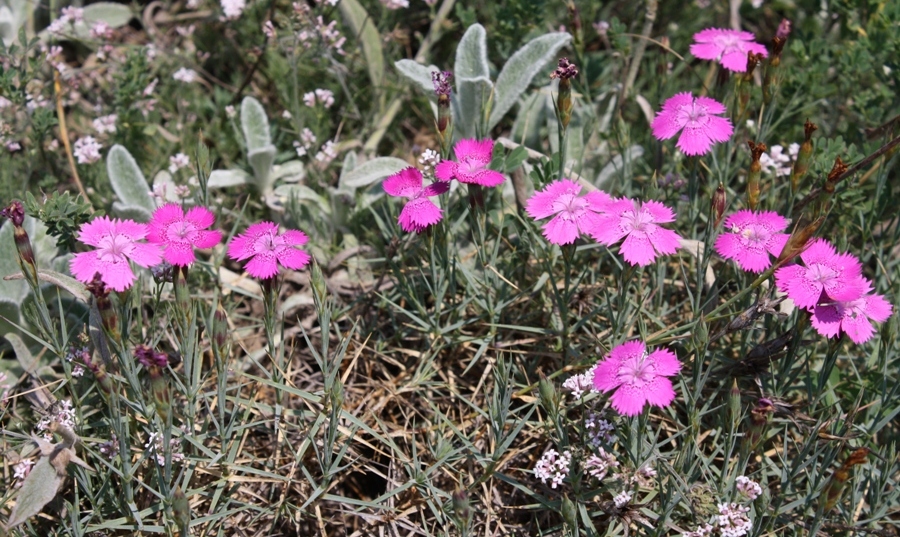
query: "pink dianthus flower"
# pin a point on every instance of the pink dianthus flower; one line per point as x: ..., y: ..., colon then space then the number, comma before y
x: 265, y: 249
x: 180, y: 233
x: 728, y: 47
x: 419, y: 212
x: 696, y: 118
x: 752, y: 237
x: 826, y: 271
x: 853, y: 317
x: 572, y: 214
x: 116, y: 242
x: 636, y: 222
x: 637, y: 377
x: 474, y: 157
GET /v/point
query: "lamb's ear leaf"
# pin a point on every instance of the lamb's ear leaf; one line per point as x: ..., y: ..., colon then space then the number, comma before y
x: 127, y: 180
x: 520, y: 70
x: 37, y: 490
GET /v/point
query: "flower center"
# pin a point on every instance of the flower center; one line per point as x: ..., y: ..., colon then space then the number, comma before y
x: 181, y: 231
x: 693, y: 115
x: 820, y: 273
x: 569, y: 206
x: 637, y: 370
x: 637, y: 220
x: 266, y: 243
x: 729, y: 43
x: 113, y: 248
x: 471, y: 165
x: 754, y: 235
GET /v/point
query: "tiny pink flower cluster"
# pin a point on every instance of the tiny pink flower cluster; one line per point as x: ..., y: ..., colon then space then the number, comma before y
x: 173, y: 235
x: 553, y: 466
x: 608, y: 220
x: 471, y: 167
x: 831, y: 287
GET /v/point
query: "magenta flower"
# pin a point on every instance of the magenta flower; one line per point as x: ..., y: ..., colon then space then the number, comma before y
x: 640, y: 377
x: 752, y: 237
x: 696, y: 118
x: 474, y: 156
x: 826, y: 271
x: 830, y: 318
x: 116, y: 242
x: 265, y: 249
x: 728, y: 47
x: 636, y: 222
x: 574, y: 214
x: 180, y: 233
x: 419, y: 212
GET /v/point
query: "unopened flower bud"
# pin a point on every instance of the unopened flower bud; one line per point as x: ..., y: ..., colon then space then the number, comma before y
x: 441, y: 81
x: 839, y: 478
x: 756, y: 151
x: 569, y: 513
x: 462, y: 509
x: 181, y: 511
x: 834, y: 177
x: 734, y: 403
x: 549, y: 397
x: 182, y: 292
x: 220, y: 336
x: 16, y: 214
x: 108, y: 316
x: 565, y: 71
x: 760, y: 417
x: 317, y: 282
x: 796, y: 244
x: 719, y: 200
x: 159, y: 389
x: 770, y: 78
x: 801, y: 166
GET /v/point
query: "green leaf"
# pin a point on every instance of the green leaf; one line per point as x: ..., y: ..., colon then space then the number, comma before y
x: 261, y: 160
x: 371, y: 171
x: 37, y: 490
x: 361, y: 24
x: 520, y: 70
x: 255, y: 125
x: 115, y: 15
x: 228, y: 178
x: 23, y: 355
x: 303, y: 192
x: 291, y: 171
x: 13, y: 291
x: 473, y: 82
x: 133, y: 212
x: 127, y: 180
x: 418, y: 73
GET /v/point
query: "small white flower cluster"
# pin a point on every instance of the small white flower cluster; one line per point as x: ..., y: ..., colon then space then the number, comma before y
x: 178, y: 161
x: 553, y: 466
x: 110, y: 448
x: 55, y: 58
x: 621, y: 499
x: 600, y: 430
x: 328, y: 32
x: 748, y: 488
x: 101, y: 30
x: 155, y: 446
x: 233, y: 8
x: 733, y: 520
x: 69, y: 15
x: 269, y: 29
x: 63, y: 414
x: 598, y: 465
x: 327, y: 153
x: 185, y: 75
x: 580, y: 384
x: 105, y: 124
x: 322, y: 96
x: 395, y: 4
x: 307, y: 139
x: 22, y: 469
x: 702, y: 531
x: 87, y: 150
x: 429, y: 159
x: 776, y: 161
